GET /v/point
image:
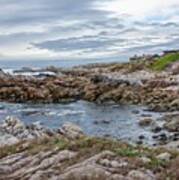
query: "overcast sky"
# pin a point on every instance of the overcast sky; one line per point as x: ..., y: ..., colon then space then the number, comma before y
x: 74, y: 29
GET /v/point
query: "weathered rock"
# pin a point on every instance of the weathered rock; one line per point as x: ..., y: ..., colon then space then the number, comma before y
x: 145, y: 160
x: 139, y: 175
x: 172, y: 123
x: 7, y: 139
x: 155, y: 127
x: 145, y: 122
x: 87, y: 172
x: 164, y: 156
x: 71, y: 131
x: 14, y: 130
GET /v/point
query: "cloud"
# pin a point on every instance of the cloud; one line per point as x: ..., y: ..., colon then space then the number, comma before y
x: 140, y: 9
x: 47, y: 29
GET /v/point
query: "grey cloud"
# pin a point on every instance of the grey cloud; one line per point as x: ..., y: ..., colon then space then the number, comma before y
x: 93, y: 30
x: 39, y: 11
x: 86, y: 42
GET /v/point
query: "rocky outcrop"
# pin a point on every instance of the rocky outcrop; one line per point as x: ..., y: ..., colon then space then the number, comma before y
x: 172, y: 123
x: 72, y: 155
x: 121, y: 83
x: 145, y: 122
x: 51, y: 165
x: 71, y: 131
x: 13, y: 130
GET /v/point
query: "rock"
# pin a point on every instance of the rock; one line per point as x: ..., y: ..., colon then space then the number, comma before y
x: 71, y: 131
x: 7, y: 139
x: 118, y: 177
x: 88, y: 172
x: 141, y: 137
x: 155, y: 127
x: 139, y: 175
x: 89, y: 169
x: 164, y: 156
x: 105, y: 162
x: 2, y: 74
x: 18, y: 131
x: 135, y: 111
x: 102, y: 122
x: 145, y: 122
x: 139, y: 142
x: 145, y: 160
x: 115, y: 164
x: 174, y: 145
x: 105, y: 121
x: 172, y: 123
x: 175, y: 103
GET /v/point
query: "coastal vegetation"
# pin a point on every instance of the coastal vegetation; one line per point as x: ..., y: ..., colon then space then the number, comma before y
x: 164, y: 61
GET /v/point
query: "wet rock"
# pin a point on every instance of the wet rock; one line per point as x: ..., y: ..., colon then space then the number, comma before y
x: 71, y: 131
x: 175, y: 137
x: 156, y: 129
x: 141, y: 137
x: 146, y: 115
x: 136, y: 112
x: 145, y: 122
x: 162, y: 138
x: 104, y: 121
x: 139, y: 142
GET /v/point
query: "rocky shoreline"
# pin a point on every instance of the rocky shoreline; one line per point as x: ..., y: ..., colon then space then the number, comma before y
x: 69, y: 154
x: 129, y: 83
x: 34, y: 152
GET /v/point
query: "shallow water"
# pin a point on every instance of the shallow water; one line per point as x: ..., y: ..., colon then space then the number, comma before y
x: 116, y: 121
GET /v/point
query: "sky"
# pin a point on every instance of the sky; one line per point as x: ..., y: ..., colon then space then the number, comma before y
x: 92, y: 29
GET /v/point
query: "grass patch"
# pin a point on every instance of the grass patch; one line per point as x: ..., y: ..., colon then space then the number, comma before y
x: 161, y: 63
x: 127, y: 152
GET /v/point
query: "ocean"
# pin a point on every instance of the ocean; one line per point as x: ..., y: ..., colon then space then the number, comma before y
x: 18, y: 64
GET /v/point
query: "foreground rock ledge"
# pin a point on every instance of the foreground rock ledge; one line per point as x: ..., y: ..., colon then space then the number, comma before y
x: 70, y: 155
